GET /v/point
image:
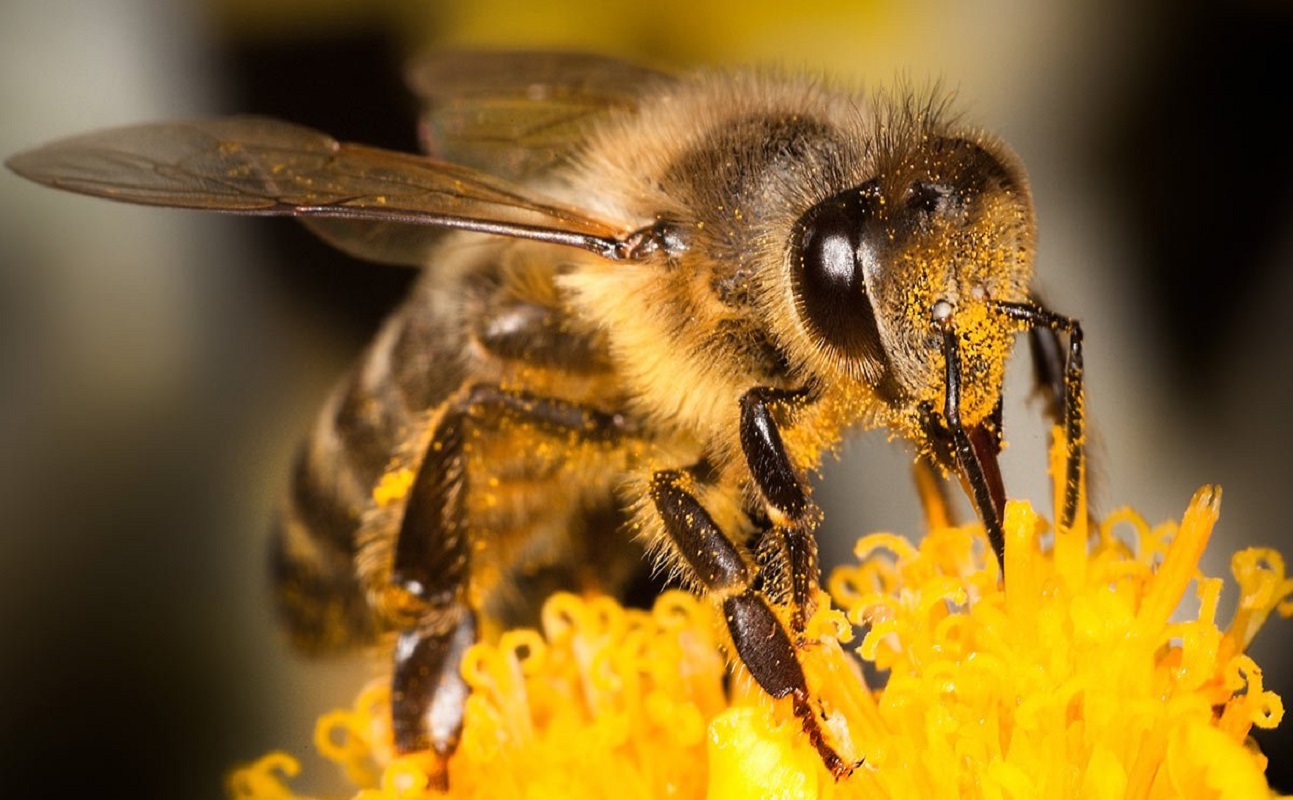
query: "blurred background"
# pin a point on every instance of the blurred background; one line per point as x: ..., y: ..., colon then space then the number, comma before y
x: 157, y: 367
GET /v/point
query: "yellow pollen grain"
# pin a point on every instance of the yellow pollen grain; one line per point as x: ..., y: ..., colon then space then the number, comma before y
x: 393, y: 487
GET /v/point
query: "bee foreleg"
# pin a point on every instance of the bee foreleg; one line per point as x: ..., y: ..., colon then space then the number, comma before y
x: 761, y: 641
x: 1040, y: 318
x: 783, y: 488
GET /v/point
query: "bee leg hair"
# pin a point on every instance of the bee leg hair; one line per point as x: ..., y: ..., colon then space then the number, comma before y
x: 782, y: 487
x: 432, y: 559
x: 760, y: 640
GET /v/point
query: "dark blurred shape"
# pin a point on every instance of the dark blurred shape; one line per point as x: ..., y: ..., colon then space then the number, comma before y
x: 100, y: 701
x: 350, y: 86
x: 1204, y: 158
x: 135, y: 692
x: 1206, y: 161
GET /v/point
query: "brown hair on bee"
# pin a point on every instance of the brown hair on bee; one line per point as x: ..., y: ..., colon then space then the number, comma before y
x: 667, y: 298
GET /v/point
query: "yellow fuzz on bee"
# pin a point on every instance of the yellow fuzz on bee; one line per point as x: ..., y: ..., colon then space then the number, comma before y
x: 1078, y: 676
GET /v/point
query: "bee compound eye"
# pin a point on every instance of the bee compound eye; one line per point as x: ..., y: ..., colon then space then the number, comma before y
x: 832, y: 254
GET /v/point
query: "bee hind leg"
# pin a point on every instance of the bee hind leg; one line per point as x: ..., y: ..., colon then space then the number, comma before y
x: 432, y: 558
x: 431, y: 564
x: 761, y: 641
x: 428, y: 694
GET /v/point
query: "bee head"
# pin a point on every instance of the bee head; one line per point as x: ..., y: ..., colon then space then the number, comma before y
x: 882, y: 272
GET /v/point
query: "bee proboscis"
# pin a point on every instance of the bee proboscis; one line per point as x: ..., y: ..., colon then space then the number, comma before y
x: 649, y: 306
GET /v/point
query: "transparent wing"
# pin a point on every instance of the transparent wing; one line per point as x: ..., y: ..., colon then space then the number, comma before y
x: 518, y: 114
x: 361, y: 198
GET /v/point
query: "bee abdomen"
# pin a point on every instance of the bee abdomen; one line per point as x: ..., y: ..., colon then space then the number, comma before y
x: 320, y: 603
x: 321, y: 598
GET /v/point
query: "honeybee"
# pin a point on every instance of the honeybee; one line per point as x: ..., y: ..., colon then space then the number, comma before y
x: 649, y: 306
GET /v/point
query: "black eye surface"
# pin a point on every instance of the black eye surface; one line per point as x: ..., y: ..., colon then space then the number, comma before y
x: 834, y: 241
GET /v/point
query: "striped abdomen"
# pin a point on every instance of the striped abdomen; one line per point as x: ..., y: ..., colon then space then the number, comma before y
x: 415, y: 362
x: 542, y: 515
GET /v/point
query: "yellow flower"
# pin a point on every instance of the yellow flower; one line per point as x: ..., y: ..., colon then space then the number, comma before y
x: 1070, y: 679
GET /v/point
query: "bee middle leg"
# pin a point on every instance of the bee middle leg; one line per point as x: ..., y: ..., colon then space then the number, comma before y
x: 785, y: 491
x: 761, y: 642
x: 433, y: 552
